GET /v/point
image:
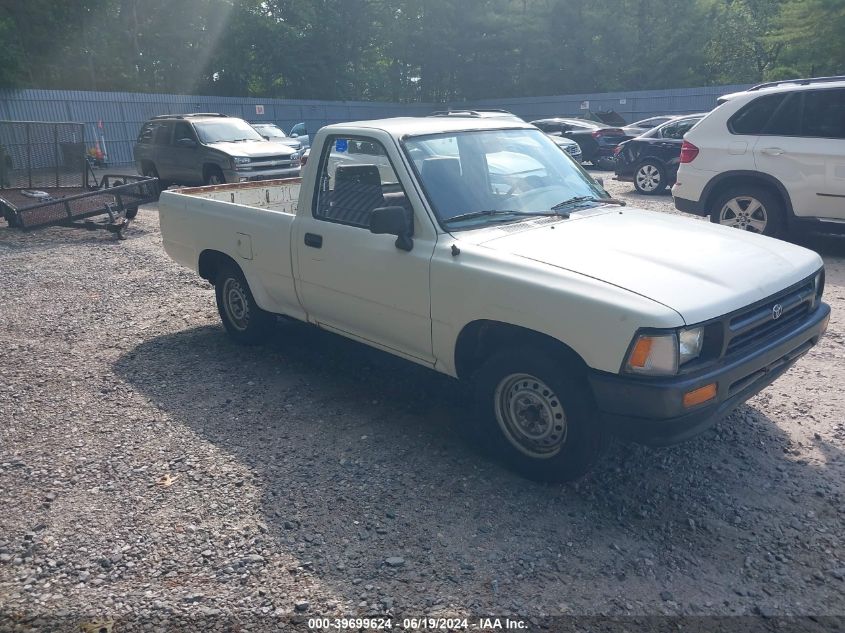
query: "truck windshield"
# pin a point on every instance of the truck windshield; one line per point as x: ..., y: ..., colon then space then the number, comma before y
x: 226, y: 131
x: 480, y: 177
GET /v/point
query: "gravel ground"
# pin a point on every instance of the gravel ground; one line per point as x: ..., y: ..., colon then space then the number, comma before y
x: 149, y: 468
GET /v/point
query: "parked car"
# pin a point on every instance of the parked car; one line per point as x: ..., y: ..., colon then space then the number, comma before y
x: 490, y: 256
x: 207, y: 148
x: 272, y: 132
x: 597, y: 141
x: 770, y: 159
x: 641, y: 127
x: 300, y: 133
x: 651, y: 161
x: 568, y: 145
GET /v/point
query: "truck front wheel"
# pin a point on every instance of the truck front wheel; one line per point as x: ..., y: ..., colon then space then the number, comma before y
x: 243, y: 319
x: 538, y: 415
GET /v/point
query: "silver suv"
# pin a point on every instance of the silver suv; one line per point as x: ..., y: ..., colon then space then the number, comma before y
x: 211, y: 149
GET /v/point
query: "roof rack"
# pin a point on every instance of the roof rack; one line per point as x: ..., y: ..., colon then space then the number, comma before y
x: 455, y: 113
x: 183, y: 116
x: 468, y: 112
x: 800, y: 82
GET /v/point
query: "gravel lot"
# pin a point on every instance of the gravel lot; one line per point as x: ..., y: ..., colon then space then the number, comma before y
x: 149, y: 468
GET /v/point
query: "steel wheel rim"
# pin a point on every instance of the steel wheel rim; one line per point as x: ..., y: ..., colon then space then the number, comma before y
x: 746, y: 213
x: 236, y: 304
x: 530, y: 415
x: 214, y: 179
x: 648, y: 178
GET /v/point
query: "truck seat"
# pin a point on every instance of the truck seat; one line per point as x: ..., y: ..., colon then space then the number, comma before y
x: 357, y: 191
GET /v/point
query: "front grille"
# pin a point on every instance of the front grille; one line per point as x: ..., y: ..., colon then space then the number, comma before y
x: 756, y: 324
x: 269, y: 163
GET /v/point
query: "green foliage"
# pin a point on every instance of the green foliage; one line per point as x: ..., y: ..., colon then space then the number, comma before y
x: 413, y: 50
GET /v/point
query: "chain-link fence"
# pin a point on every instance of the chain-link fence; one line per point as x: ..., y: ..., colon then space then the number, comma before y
x: 39, y: 155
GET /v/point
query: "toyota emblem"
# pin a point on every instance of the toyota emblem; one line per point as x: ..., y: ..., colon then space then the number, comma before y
x: 777, y: 310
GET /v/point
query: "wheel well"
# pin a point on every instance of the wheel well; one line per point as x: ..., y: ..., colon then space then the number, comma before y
x: 480, y: 339
x: 210, y: 263
x: 745, y: 180
x: 147, y: 163
x: 207, y: 168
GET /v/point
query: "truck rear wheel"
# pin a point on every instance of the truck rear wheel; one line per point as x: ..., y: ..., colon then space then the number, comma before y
x: 243, y: 319
x: 538, y: 415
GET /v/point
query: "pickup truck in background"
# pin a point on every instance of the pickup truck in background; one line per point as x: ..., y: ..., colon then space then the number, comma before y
x: 475, y: 247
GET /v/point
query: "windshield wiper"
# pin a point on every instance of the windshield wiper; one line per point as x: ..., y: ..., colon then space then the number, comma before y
x: 577, y: 199
x: 497, y: 212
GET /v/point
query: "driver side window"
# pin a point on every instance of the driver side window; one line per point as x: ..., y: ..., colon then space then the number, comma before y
x: 183, y: 130
x: 356, y: 176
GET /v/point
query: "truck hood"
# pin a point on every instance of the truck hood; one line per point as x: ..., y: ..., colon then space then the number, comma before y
x: 699, y: 269
x: 254, y: 149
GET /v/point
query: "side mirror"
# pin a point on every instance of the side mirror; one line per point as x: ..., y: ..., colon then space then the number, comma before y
x: 188, y: 143
x: 266, y: 138
x: 600, y: 180
x: 397, y: 221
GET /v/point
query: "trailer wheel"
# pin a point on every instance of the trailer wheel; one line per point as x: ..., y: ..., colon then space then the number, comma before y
x: 244, y: 321
x: 131, y: 213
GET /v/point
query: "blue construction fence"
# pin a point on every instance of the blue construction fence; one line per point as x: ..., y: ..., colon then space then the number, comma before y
x: 113, y: 119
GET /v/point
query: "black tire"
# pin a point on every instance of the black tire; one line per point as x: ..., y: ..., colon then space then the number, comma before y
x: 737, y: 207
x: 213, y: 175
x: 650, y: 178
x: 244, y: 321
x: 557, y: 407
x: 150, y: 171
x: 131, y: 213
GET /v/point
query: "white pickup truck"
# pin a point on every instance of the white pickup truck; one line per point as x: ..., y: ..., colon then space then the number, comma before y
x: 478, y: 248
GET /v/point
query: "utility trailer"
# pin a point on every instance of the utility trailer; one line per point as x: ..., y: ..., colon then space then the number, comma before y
x: 46, y: 180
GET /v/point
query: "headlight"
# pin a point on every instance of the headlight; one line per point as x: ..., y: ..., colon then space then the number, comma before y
x: 690, y: 343
x: 295, y: 156
x: 662, y: 354
x: 654, y: 354
x: 240, y: 160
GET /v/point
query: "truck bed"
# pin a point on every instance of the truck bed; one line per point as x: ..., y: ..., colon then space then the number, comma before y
x: 276, y: 195
x: 248, y: 222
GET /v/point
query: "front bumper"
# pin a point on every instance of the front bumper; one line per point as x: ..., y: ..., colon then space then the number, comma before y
x: 244, y: 175
x: 651, y: 410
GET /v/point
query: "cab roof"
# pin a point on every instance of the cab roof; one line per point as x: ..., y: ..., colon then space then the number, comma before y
x: 399, y: 127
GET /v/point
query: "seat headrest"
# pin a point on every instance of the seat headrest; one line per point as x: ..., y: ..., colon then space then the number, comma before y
x: 441, y: 167
x: 358, y: 174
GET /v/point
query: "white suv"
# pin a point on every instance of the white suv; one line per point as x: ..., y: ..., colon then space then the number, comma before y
x: 769, y: 160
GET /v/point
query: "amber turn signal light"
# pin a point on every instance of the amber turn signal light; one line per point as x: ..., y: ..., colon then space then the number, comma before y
x: 639, y: 355
x: 702, y: 394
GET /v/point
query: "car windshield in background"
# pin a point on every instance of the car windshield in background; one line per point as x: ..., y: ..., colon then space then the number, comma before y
x: 270, y: 130
x: 493, y: 176
x: 226, y: 131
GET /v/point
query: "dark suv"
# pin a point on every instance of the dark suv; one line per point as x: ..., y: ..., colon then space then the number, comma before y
x: 204, y: 148
x: 597, y: 140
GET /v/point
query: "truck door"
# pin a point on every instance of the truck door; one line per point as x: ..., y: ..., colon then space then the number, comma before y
x: 354, y: 281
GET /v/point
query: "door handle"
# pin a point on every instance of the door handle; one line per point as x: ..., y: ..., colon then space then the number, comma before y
x: 313, y: 240
x: 772, y: 151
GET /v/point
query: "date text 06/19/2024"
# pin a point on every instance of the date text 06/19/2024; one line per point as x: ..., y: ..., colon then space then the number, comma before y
x: 418, y: 624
